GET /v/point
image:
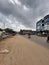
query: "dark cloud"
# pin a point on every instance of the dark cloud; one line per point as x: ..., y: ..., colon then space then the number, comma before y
x: 34, y: 9
x: 39, y: 7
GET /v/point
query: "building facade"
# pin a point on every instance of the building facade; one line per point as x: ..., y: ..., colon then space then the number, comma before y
x: 42, y: 26
x: 46, y: 23
x: 25, y: 32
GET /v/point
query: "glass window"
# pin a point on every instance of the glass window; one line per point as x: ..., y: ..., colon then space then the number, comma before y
x: 47, y: 20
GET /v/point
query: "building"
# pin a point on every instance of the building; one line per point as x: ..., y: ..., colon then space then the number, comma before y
x: 42, y: 26
x: 34, y: 32
x: 46, y: 23
x: 25, y: 32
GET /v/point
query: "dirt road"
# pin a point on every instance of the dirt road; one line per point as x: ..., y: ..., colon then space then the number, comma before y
x: 23, y: 52
x: 39, y: 40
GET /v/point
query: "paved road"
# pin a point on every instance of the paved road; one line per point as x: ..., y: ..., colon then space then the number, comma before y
x: 39, y: 40
x: 23, y: 51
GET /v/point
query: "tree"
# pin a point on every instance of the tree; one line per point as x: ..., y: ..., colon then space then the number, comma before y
x: 10, y: 31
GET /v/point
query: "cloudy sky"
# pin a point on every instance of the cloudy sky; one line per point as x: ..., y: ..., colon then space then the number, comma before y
x: 22, y: 14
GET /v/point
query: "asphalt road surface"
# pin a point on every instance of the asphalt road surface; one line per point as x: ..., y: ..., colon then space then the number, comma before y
x: 23, y: 51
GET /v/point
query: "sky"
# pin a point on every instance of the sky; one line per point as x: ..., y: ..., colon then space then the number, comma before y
x: 22, y: 14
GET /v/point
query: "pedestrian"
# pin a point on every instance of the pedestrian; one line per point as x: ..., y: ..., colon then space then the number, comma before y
x: 29, y: 36
x: 48, y: 38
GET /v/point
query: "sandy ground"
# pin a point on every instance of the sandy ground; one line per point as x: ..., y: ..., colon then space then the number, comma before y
x: 23, y: 51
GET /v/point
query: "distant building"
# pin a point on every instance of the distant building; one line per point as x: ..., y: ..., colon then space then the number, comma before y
x: 25, y: 32
x: 34, y: 32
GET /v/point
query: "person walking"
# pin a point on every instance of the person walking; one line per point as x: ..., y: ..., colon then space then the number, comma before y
x: 48, y: 37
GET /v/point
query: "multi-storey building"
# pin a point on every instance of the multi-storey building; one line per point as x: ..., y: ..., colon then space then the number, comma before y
x: 42, y: 26
x: 46, y: 23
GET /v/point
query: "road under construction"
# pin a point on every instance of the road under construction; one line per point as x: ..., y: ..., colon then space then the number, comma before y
x: 22, y: 51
